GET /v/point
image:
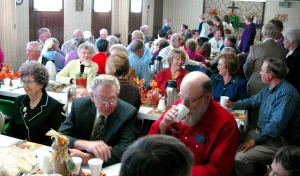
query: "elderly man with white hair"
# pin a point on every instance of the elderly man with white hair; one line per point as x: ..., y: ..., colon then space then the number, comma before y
x: 145, y: 30
x: 176, y: 42
x: 103, y: 35
x: 70, y: 45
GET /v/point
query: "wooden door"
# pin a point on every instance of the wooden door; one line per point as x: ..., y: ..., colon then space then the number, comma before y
x: 100, y: 20
x: 158, y: 17
x: 135, y: 22
x: 54, y: 21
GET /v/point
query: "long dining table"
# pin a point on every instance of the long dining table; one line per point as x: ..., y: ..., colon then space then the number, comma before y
x: 145, y: 113
x: 40, y: 150
x: 150, y: 113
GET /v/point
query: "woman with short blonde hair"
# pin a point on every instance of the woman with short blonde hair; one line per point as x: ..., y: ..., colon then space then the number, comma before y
x: 175, y: 71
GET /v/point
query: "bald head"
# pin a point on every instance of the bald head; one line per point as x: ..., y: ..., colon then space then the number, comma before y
x: 196, y: 81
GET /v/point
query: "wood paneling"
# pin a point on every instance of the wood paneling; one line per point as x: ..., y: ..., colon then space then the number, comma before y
x: 100, y: 20
x: 158, y: 17
x: 135, y: 22
x: 54, y: 21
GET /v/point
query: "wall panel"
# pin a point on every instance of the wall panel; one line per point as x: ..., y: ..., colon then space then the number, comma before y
x: 182, y: 12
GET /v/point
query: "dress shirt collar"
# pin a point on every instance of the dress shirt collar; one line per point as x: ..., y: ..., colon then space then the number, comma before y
x: 276, y: 87
x: 233, y: 79
x: 268, y: 39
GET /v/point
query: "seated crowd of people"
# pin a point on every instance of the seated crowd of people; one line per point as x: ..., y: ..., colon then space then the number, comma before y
x: 100, y: 119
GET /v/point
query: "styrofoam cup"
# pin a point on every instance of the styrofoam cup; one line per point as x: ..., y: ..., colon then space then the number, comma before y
x: 161, y: 105
x: 6, y: 82
x: 15, y: 83
x: 44, y: 162
x: 78, y: 162
x: 95, y: 166
x: 223, y: 101
x: 182, y: 112
x: 152, y: 69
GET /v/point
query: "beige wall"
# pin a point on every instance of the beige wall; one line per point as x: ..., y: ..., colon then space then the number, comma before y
x: 293, y: 12
x: 183, y: 12
x: 177, y: 10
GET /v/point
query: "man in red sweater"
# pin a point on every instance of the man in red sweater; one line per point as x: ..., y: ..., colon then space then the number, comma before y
x: 209, y: 131
x: 100, y: 58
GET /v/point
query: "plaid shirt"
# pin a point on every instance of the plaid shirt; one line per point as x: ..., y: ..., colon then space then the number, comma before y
x: 278, y: 107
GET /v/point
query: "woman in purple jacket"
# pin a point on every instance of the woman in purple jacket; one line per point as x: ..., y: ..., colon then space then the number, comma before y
x: 248, y: 34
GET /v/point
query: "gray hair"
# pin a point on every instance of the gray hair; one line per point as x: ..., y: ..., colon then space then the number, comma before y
x: 42, y: 30
x: 269, y: 30
x: 175, y: 36
x: 292, y: 35
x: 51, y: 44
x: 112, y: 39
x: 136, y: 45
x: 105, y: 80
x: 75, y: 33
x: 89, y: 38
x: 118, y: 47
x: 39, y: 72
x: 88, y: 46
x: 228, y: 49
x: 36, y: 45
x: 144, y: 27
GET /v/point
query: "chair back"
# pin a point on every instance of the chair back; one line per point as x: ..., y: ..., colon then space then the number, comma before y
x: 6, y: 110
x: 6, y: 107
x: 191, y: 68
x: 2, y: 121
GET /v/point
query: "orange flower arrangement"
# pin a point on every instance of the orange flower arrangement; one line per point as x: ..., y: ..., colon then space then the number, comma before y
x: 152, y: 96
x: 7, y: 73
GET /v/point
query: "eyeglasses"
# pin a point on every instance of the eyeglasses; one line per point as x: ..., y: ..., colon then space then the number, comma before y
x: 28, y: 83
x: 269, y: 171
x: 189, y: 100
x: 85, y: 53
x: 31, y: 51
x: 111, y: 101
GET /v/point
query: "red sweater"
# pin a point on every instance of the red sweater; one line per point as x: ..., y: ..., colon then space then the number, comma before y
x: 100, y: 60
x: 219, y: 127
x: 165, y: 75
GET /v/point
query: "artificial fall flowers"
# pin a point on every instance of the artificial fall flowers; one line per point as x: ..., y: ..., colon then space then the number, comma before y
x: 7, y: 73
x: 149, y: 97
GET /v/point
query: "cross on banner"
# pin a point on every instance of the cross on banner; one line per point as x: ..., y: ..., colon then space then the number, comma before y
x: 232, y: 8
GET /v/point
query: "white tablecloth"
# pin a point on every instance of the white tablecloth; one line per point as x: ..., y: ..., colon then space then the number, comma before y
x: 11, y: 92
x: 8, y: 141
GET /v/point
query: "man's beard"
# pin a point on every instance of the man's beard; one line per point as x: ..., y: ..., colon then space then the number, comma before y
x: 195, y: 116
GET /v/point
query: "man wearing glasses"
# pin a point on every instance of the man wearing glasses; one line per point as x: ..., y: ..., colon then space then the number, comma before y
x: 208, y: 130
x: 100, y: 126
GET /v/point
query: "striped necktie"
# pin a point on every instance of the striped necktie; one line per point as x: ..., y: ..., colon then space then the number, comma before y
x: 99, y: 130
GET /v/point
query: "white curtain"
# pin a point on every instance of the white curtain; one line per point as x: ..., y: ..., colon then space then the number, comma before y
x: 8, y: 32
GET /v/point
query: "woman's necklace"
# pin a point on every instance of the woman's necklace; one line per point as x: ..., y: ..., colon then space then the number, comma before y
x: 174, y: 75
x: 33, y: 104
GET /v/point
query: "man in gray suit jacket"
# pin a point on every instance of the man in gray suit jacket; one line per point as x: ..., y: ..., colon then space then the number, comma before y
x: 117, y: 117
x: 255, y: 59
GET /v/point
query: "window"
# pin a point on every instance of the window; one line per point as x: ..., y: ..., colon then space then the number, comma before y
x: 102, y: 5
x: 47, y: 5
x: 136, y: 6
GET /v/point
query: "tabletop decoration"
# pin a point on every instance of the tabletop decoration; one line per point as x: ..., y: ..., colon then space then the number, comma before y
x: 149, y: 97
x: 6, y: 72
x: 63, y: 163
